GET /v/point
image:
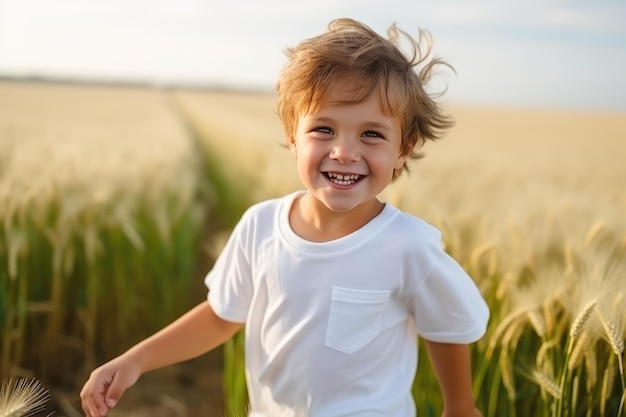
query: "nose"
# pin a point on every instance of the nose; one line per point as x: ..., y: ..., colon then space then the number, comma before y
x: 345, y: 150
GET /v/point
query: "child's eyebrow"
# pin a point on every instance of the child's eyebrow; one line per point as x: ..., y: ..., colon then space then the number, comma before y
x: 378, y: 125
x: 321, y: 119
x: 369, y: 123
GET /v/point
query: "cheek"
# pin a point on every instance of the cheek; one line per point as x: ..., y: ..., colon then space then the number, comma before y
x: 386, y: 160
x: 304, y: 160
x: 307, y: 153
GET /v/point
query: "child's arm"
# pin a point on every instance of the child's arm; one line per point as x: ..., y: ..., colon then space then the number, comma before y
x: 452, y: 366
x: 193, y: 334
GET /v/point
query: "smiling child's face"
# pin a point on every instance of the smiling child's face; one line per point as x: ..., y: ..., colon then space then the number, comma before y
x: 347, y: 153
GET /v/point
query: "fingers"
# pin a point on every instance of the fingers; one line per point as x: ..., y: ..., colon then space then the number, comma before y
x: 107, y: 384
x: 92, y: 400
x: 115, y: 391
x: 101, y: 392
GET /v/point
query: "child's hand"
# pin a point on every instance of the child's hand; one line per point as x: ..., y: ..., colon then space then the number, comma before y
x: 106, y: 384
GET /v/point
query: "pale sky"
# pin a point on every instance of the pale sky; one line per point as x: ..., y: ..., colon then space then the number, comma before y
x: 547, y: 53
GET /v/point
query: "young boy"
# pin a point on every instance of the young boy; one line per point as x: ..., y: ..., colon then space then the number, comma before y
x: 333, y: 285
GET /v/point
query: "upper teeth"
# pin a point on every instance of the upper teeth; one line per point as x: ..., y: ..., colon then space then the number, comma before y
x: 343, y: 179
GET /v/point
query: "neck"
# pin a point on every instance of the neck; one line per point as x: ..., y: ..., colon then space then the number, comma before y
x: 313, y: 221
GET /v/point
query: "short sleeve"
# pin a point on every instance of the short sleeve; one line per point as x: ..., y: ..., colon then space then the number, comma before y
x: 448, y: 307
x: 230, y: 280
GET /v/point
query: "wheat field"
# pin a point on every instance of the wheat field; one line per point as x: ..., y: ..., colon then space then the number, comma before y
x: 531, y: 203
x: 98, y: 204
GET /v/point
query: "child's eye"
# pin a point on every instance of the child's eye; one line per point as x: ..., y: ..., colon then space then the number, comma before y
x: 323, y: 129
x: 372, y: 134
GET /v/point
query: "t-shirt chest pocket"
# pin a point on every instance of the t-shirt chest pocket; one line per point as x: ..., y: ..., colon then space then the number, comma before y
x: 355, y: 318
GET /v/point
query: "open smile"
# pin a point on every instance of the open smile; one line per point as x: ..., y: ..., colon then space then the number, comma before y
x: 343, y: 179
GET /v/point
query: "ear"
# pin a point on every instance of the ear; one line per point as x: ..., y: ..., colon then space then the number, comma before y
x: 292, y: 145
x: 400, y: 161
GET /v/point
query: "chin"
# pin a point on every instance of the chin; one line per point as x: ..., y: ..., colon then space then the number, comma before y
x: 338, y: 206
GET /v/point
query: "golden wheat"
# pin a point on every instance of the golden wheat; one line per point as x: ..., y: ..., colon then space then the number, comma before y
x: 85, y: 156
x: 505, y: 325
x: 594, y: 232
x: 536, y: 319
x: 581, y: 345
x: 612, y: 330
x: 543, y: 356
x: 81, y: 166
x: 22, y: 397
x: 581, y: 319
x: 546, y: 383
x: 508, y: 380
x: 243, y: 133
x: 482, y: 250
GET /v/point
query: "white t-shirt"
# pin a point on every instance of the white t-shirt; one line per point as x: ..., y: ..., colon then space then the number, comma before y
x: 331, y: 328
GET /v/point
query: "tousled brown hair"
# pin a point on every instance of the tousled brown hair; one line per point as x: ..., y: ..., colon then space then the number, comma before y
x: 352, y: 55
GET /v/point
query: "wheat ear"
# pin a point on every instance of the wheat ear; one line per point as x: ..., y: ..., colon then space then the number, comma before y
x: 22, y: 397
x: 581, y: 319
x: 546, y: 383
x: 507, y: 374
x: 536, y: 320
x: 578, y: 351
x: 612, y: 333
x: 593, y: 233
